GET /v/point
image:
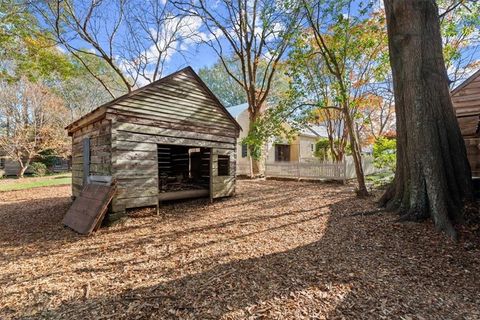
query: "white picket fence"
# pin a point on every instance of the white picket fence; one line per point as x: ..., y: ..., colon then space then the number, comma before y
x: 312, y: 170
x: 299, y: 170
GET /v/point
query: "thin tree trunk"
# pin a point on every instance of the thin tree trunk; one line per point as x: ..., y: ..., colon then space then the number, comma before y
x: 21, y: 171
x: 23, y: 167
x: 433, y: 176
x: 256, y: 162
x: 356, y: 153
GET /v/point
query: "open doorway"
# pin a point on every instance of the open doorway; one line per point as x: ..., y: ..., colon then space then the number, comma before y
x: 183, y: 172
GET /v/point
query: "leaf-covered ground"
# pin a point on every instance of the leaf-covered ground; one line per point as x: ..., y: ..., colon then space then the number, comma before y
x: 277, y: 250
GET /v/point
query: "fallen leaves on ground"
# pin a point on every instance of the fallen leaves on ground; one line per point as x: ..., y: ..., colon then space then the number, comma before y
x: 277, y: 250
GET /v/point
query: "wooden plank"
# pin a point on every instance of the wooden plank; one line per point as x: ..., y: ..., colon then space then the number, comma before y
x: 129, y: 173
x: 136, y: 137
x: 138, y: 182
x: 184, y: 194
x: 86, y: 159
x: 161, y: 102
x: 136, y: 155
x: 137, y: 202
x: 131, y: 117
x: 126, y: 192
x: 91, y: 117
x: 135, y: 165
x: 89, y: 208
x: 173, y: 117
x: 129, y: 146
x: 145, y: 129
x: 474, y: 96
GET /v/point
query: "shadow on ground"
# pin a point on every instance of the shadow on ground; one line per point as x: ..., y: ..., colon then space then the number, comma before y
x: 344, y: 267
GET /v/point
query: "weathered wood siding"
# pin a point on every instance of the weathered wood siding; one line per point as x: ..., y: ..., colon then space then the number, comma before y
x: 466, y: 101
x: 178, y: 111
x: 99, y: 133
x: 11, y: 168
x: 222, y: 186
x: 179, y: 103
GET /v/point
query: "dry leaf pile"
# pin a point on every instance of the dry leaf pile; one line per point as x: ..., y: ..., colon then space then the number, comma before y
x: 277, y: 250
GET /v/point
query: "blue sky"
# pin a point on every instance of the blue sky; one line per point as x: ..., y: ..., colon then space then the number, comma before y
x: 197, y: 57
x: 193, y: 53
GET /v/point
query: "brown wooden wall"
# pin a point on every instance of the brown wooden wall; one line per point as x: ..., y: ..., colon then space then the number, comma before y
x: 99, y: 133
x: 466, y: 102
x: 466, y: 99
x: 176, y: 110
x: 222, y: 186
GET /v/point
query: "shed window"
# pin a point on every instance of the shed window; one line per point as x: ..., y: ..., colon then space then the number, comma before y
x: 244, y: 150
x: 223, y: 165
x: 2, y: 163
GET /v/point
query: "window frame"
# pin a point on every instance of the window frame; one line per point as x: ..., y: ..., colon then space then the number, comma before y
x: 244, y: 150
x: 225, y: 160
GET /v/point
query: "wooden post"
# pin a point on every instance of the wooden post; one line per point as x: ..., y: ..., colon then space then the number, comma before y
x: 211, y: 175
x: 298, y: 169
x: 86, y: 160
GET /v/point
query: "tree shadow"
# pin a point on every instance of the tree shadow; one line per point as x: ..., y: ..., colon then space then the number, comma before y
x: 33, y: 221
x: 358, y: 267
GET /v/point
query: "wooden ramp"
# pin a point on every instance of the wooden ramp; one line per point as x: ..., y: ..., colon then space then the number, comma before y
x: 87, y: 211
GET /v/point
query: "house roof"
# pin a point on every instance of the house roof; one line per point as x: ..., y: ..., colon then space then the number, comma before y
x: 308, y: 130
x: 314, y: 131
x: 235, y: 111
x: 155, y: 83
x: 465, y: 83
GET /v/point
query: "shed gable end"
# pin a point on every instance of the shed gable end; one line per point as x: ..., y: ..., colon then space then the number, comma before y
x: 180, y: 98
x: 466, y: 97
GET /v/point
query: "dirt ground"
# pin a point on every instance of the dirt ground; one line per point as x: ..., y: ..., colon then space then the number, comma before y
x: 277, y: 250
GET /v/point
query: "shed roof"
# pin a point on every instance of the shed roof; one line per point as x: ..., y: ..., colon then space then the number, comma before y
x: 153, y: 84
x: 466, y: 82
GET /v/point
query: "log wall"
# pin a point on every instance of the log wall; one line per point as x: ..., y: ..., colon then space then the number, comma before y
x: 99, y: 133
x: 222, y: 186
x: 176, y: 110
x: 466, y: 101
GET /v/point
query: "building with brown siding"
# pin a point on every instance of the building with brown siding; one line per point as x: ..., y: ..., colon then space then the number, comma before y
x: 171, y: 139
x: 466, y: 101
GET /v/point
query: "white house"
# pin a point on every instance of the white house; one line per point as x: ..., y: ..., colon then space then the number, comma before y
x: 301, y: 148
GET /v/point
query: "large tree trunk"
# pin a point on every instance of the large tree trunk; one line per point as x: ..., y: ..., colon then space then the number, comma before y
x: 433, y: 176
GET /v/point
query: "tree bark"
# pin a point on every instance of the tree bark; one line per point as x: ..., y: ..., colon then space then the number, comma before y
x: 433, y: 177
x: 21, y: 172
x: 23, y: 168
x: 256, y: 166
x: 356, y: 152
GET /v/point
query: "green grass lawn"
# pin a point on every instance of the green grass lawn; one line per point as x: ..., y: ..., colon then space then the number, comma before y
x: 10, y: 184
x: 380, y: 179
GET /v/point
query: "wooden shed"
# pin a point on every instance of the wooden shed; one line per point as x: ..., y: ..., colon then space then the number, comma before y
x: 466, y: 101
x: 171, y: 139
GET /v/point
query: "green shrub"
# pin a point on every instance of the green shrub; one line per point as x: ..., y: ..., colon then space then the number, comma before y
x: 322, y: 148
x: 38, y: 169
x: 48, y: 158
x: 385, y: 153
